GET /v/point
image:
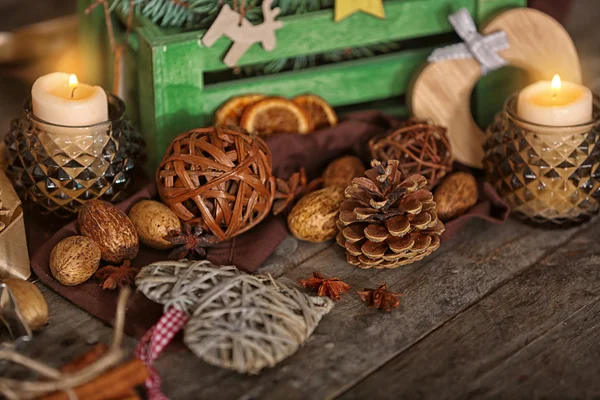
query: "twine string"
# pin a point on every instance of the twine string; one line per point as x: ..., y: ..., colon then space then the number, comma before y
x: 57, y: 380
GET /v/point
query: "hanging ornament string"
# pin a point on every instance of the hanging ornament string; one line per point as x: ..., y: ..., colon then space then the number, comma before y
x: 241, y: 10
x: 117, y: 49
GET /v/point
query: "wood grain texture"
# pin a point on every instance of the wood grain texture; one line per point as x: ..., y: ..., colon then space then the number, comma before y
x: 442, y: 90
x: 348, y: 346
x: 561, y: 363
x: 339, y: 84
x: 497, y: 346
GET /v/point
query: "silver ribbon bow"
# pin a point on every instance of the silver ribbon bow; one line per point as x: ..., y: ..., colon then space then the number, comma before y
x: 483, y: 48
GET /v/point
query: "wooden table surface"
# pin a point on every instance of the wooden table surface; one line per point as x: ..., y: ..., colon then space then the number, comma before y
x: 507, y: 311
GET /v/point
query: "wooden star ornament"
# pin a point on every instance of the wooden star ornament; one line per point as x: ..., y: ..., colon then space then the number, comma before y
x: 345, y: 8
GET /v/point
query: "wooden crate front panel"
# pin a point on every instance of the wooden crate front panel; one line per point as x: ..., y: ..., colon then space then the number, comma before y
x: 340, y: 84
x: 172, y: 95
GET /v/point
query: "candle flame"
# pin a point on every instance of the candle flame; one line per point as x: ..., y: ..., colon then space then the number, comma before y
x: 73, y: 80
x: 556, y: 82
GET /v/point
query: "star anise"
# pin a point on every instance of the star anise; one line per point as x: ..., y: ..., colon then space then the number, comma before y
x: 288, y: 191
x: 330, y: 287
x: 113, y: 277
x: 380, y: 298
x: 191, y: 240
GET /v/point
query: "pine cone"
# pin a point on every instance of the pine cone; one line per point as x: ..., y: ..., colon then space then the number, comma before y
x: 386, y: 222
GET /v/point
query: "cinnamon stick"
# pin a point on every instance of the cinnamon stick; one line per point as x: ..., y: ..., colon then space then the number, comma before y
x: 118, y: 383
x: 79, y: 363
x: 88, y: 358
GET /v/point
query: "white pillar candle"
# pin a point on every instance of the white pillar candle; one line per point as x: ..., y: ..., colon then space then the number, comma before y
x: 59, y: 99
x: 555, y: 103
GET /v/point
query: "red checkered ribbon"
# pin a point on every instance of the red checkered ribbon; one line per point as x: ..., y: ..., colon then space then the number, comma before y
x: 154, y: 342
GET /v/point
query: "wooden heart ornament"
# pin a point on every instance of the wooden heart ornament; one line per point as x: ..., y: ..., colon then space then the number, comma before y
x: 441, y: 92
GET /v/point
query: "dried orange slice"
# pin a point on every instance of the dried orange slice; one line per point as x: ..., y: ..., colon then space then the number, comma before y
x: 276, y: 115
x: 320, y: 111
x: 230, y: 113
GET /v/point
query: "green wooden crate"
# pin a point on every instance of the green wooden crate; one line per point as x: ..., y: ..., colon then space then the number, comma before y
x: 167, y: 92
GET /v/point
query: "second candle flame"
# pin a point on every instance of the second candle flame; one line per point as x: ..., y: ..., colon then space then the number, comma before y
x: 73, y: 84
x: 556, y: 82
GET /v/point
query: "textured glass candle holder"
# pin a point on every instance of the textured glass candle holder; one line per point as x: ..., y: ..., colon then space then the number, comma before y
x: 61, y: 167
x: 546, y: 174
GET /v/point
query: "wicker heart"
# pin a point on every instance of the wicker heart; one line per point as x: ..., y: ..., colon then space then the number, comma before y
x: 180, y: 284
x: 238, y: 321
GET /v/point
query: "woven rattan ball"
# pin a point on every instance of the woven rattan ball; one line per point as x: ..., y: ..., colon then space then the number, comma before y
x: 218, y: 178
x: 421, y: 148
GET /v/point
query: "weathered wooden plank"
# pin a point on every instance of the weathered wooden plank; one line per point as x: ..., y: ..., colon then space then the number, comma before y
x: 177, y: 82
x: 487, y: 350
x: 146, y: 106
x: 352, y: 341
x: 347, y: 346
x: 563, y: 363
x: 291, y: 253
x: 340, y: 84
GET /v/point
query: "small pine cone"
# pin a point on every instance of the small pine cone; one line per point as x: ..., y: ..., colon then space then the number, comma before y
x: 385, y: 221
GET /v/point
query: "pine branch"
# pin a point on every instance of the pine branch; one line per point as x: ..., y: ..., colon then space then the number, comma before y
x: 200, y: 14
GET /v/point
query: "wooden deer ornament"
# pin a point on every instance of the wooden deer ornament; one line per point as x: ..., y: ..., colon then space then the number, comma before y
x: 243, y: 34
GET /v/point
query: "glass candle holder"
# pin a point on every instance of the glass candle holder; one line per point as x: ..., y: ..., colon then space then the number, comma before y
x: 546, y: 174
x: 60, y: 167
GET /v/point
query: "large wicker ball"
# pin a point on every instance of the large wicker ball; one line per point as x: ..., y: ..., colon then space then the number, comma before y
x: 218, y: 178
x: 420, y: 147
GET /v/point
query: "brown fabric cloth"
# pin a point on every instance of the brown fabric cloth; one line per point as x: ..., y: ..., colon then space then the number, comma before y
x: 248, y: 251
x: 558, y: 9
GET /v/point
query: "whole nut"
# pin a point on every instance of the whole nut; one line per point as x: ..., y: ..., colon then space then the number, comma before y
x: 153, y: 221
x: 341, y: 171
x: 31, y: 302
x: 455, y: 195
x: 313, y: 217
x: 74, y: 260
x: 111, y: 229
